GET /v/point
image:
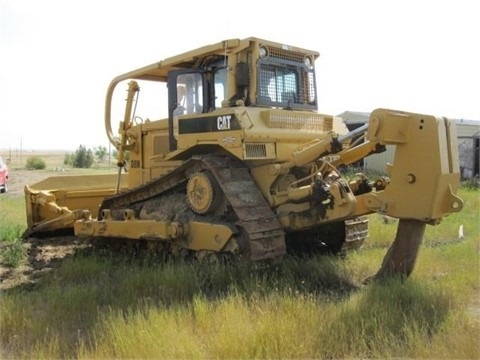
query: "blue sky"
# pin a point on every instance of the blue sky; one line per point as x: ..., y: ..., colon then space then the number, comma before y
x: 58, y: 57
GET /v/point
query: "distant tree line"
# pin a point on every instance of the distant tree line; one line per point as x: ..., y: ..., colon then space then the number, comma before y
x: 83, y: 158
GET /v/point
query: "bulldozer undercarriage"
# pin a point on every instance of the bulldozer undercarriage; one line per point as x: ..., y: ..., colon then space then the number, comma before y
x: 204, y: 193
x: 216, y: 197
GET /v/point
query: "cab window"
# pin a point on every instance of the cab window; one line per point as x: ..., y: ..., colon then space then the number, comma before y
x: 189, y: 94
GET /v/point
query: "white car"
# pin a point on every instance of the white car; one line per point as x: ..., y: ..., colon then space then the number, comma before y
x: 3, y: 176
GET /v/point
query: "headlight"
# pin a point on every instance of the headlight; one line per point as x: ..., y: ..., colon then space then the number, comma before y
x: 263, y: 52
x: 307, y: 60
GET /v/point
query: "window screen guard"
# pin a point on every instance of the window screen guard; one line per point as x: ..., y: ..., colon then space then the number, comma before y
x: 285, y: 85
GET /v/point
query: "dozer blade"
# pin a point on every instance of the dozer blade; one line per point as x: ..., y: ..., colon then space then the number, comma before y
x: 57, y: 202
x: 402, y: 254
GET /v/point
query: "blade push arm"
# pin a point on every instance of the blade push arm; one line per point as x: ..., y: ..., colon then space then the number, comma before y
x: 425, y: 174
x: 424, y: 178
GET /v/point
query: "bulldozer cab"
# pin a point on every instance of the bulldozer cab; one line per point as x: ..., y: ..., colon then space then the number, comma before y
x: 249, y: 72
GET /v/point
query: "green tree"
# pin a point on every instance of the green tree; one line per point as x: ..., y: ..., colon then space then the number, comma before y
x: 68, y: 159
x: 101, y: 153
x: 36, y: 163
x: 83, y: 157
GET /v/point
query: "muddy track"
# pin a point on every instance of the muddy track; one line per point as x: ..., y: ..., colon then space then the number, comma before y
x: 42, y: 255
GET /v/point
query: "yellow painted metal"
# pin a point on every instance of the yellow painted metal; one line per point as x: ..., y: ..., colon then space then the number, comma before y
x: 56, y: 202
x: 425, y: 172
x: 79, y: 182
x: 194, y: 235
x: 208, y: 236
x: 200, y: 193
x: 130, y: 228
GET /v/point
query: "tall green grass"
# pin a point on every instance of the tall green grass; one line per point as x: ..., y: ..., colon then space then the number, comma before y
x: 12, y: 210
x: 104, y: 305
x: 115, y: 308
x: 12, y: 225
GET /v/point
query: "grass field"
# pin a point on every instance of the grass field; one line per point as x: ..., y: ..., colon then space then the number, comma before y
x: 54, y: 159
x: 100, y: 305
x: 16, y: 159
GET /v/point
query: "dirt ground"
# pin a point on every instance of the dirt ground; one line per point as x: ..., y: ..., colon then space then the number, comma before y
x: 22, y: 177
x: 42, y: 255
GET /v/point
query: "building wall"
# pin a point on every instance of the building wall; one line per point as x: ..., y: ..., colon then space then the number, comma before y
x: 466, y: 128
x: 376, y: 162
x: 469, y: 157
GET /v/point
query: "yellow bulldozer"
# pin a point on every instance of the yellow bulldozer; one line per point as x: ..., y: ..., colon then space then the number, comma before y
x: 244, y: 165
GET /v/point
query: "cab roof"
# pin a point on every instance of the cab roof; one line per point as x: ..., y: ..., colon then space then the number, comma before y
x: 158, y: 71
